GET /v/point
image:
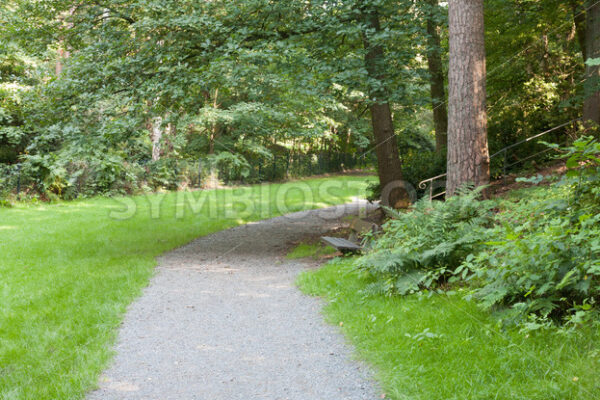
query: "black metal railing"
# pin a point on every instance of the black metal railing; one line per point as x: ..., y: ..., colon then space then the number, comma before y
x: 429, y: 184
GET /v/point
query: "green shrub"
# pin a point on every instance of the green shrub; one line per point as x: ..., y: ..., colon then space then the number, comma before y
x: 230, y: 166
x: 537, y: 261
x: 547, y: 264
x: 422, y: 247
x: 549, y: 267
x: 163, y: 174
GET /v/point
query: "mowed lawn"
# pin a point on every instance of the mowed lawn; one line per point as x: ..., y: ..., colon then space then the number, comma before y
x: 430, y: 347
x: 69, y: 270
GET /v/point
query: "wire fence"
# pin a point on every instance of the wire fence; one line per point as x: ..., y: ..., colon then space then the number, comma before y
x: 504, y: 161
x: 291, y: 165
x: 12, y: 179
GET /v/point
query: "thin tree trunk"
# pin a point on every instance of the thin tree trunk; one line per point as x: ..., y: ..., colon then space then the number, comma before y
x: 389, y: 167
x: 211, y: 140
x: 468, y: 155
x: 579, y: 20
x: 436, y: 77
x: 171, y: 132
x: 156, y: 136
x: 214, y: 130
x: 591, y: 105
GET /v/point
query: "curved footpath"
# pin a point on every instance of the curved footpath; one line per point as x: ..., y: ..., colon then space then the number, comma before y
x: 223, y: 320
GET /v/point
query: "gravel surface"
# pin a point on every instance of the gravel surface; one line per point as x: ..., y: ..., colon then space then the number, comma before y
x: 222, y: 319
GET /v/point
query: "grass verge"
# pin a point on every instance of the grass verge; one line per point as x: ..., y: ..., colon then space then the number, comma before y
x: 69, y: 270
x: 312, y: 250
x: 444, y: 347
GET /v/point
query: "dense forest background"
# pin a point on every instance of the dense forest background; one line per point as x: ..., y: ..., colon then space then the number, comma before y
x: 119, y: 96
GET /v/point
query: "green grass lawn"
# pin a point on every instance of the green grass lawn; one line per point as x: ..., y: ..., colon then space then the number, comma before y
x: 69, y: 270
x: 440, y: 347
x: 310, y: 250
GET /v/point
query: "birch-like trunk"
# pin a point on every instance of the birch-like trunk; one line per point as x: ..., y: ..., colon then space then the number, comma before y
x: 156, y: 136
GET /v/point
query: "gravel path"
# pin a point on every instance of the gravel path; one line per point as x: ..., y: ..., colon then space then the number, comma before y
x: 222, y: 319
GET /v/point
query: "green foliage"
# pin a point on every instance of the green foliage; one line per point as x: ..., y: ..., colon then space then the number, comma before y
x: 418, y: 163
x: 535, y: 71
x: 421, y: 248
x: 422, y: 164
x: 537, y: 260
x: 583, y: 161
x: 231, y: 164
x: 15, y: 79
x: 251, y: 77
x: 245, y: 78
x: 548, y: 266
x: 546, y: 258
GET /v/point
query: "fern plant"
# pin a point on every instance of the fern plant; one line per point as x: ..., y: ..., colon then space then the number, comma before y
x: 422, y: 247
x: 547, y: 264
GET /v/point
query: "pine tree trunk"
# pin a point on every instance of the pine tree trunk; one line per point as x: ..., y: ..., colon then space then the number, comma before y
x: 389, y: 167
x: 591, y: 105
x: 436, y: 76
x: 468, y: 155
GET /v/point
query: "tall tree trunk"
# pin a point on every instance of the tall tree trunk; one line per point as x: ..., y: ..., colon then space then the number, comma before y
x: 389, y: 167
x: 579, y: 20
x: 468, y: 154
x: 591, y: 105
x: 436, y: 77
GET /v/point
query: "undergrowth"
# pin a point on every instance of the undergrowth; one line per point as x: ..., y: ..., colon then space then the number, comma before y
x: 423, y: 247
x: 535, y: 259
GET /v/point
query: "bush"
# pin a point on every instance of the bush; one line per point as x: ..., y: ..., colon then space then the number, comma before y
x: 537, y: 261
x: 230, y: 166
x: 422, y: 247
x: 548, y: 262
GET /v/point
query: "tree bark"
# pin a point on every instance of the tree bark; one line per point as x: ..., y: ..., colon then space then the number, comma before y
x: 591, y: 105
x: 436, y: 77
x: 389, y: 166
x: 156, y: 136
x: 468, y: 154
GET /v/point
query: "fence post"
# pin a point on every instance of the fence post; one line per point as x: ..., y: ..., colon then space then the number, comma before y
x: 18, y: 180
x: 431, y: 191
